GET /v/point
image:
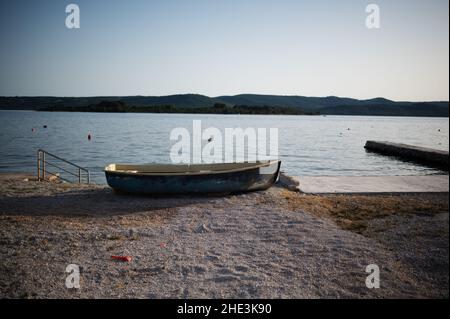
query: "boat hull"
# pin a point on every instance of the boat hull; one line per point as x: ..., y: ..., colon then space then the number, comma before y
x: 251, y: 179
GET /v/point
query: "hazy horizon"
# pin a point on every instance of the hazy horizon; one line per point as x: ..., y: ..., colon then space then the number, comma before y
x: 157, y: 48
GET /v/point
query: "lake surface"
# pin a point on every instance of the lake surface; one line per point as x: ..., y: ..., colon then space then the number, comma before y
x: 308, y: 145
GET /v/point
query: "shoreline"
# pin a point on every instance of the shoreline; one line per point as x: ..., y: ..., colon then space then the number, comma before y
x: 313, y: 115
x: 272, y: 244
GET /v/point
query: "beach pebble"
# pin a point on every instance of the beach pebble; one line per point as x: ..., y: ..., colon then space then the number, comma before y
x: 202, y: 229
x: 132, y: 233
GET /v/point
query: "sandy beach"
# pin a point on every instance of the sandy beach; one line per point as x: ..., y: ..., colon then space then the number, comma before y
x: 271, y: 244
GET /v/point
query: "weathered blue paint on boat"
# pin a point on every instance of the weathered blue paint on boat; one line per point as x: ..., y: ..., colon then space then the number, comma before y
x: 185, y: 179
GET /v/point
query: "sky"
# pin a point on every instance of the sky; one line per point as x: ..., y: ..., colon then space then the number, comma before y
x: 226, y: 47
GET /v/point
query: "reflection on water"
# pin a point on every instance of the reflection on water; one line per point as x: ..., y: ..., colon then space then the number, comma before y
x: 308, y: 145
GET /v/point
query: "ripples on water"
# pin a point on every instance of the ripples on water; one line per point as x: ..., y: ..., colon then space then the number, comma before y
x: 308, y: 145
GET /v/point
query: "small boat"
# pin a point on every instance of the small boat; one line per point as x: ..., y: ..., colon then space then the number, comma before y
x: 195, y: 178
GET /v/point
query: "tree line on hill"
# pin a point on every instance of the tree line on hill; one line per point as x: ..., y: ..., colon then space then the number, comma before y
x: 218, y: 108
x: 242, y: 103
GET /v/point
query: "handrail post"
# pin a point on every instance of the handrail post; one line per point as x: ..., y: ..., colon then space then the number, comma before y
x: 39, y: 165
x: 43, y: 166
x: 79, y: 175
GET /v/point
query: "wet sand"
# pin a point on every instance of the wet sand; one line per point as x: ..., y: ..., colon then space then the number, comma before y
x: 271, y: 244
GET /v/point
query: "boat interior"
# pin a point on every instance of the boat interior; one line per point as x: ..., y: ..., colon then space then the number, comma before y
x: 177, y: 169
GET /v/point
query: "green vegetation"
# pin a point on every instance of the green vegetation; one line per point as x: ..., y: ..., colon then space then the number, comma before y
x: 243, y: 104
x: 218, y: 108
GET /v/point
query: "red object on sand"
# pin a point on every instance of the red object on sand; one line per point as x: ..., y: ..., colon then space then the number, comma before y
x: 122, y: 258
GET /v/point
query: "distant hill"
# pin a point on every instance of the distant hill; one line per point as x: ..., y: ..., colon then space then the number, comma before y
x: 429, y: 109
x: 330, y: 105
x: 32, y: 103
x: 307, y: 103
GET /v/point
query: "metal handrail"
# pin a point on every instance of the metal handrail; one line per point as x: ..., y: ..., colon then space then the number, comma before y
x: 42, y: 162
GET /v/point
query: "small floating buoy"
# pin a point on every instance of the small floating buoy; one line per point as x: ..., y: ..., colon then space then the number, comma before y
x: 89, y: 136
x: 45, y: 126
x: 33, y: 130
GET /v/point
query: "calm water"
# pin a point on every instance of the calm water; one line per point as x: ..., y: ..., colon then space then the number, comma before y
x: 308, y: 145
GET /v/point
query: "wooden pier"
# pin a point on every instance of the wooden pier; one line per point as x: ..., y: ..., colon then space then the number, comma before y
x: 422, y: 155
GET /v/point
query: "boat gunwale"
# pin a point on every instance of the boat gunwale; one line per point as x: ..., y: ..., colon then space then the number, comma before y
x: 208, y: 172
